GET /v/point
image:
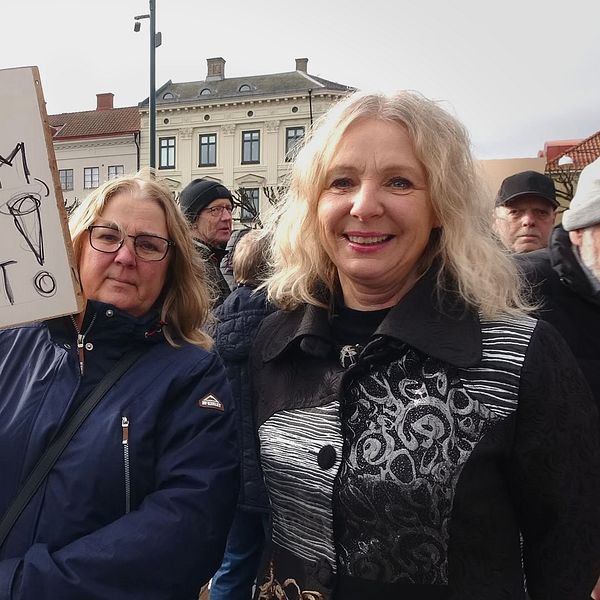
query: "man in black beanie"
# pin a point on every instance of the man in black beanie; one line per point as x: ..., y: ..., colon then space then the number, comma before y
x: 208, y: 205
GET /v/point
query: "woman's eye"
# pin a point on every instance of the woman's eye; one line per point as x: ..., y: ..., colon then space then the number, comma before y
x: 110, y: 237
x: 341, y: 183
x: 400, y: 183
x: 148, y: 245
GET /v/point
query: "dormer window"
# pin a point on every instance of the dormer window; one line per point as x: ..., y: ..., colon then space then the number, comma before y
x: 168, y: 96
x: 205, y: 92
x: 244, y: 88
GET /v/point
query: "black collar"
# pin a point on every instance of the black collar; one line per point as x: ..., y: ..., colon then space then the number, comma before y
x: 450, y: 332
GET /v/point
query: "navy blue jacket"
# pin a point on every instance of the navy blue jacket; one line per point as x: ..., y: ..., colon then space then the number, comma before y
x: 139, y: 504
x: 238, y: 319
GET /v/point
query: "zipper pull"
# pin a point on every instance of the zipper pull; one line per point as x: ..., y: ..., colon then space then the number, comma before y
x: 80, y: 351
x: 125, y: 428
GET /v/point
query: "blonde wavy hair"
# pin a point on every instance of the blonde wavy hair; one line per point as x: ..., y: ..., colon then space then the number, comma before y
x: 184, y: 302
x: 472, y: 262
x: 250, y: 258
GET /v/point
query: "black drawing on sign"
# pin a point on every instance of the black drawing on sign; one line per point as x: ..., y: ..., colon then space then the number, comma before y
x: 24, y: 198
x: 44, y: 284
x: 6, y: 282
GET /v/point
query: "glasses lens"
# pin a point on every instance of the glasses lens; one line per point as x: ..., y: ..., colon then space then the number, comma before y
x: 217, y: 211
x: 105, y: 239
x: 151, y: 247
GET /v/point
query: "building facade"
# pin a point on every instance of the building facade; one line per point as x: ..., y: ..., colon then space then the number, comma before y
x: 240, y: 131
x: 94, y: 146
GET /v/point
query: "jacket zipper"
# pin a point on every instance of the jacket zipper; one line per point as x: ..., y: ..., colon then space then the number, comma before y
x: 80, y: 341
x: 125, y: 443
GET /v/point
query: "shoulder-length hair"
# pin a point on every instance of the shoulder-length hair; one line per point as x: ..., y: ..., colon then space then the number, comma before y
x: 471, y: 261
x: 250, y: 258
x: 184, y: 302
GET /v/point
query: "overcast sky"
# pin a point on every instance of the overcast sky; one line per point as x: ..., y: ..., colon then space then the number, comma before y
x: 516, y: 72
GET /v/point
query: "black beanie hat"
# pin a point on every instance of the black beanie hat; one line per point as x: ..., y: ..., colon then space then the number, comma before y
x: 198, y: 194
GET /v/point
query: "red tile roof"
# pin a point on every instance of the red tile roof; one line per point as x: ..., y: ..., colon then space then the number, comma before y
x: 95, y: 123
x: 582, y: 154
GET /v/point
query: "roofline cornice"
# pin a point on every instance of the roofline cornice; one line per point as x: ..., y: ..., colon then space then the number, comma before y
x: 250, y: 101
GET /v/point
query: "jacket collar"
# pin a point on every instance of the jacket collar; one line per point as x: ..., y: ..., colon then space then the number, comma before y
x: 208, y: 251
x: 567, y: 266
x: 451, y: 333
x: 104, y: 321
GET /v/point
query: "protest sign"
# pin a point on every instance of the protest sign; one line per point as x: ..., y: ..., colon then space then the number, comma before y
x: 38, y: 275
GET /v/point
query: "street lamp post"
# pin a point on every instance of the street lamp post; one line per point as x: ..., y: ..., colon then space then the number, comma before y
x: 155, y: 42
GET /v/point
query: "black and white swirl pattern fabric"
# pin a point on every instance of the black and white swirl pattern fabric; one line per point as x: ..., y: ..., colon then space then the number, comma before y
x: 300, y: 490
x: 409, y: 428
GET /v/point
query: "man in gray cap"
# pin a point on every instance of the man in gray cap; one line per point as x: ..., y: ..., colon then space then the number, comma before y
x: 525, y: 210
x: 566, y: 276
x: 208, y: 206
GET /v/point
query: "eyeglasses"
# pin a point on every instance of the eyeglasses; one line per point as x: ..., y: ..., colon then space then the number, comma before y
x: 146, y: 247
x: 217, y: 211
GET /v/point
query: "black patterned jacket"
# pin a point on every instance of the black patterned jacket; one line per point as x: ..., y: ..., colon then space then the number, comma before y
x: 456, y: 458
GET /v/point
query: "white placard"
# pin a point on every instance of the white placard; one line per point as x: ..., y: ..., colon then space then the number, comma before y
x: 38, y: 277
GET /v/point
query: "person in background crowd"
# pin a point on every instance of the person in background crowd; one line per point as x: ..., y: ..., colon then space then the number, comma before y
x: 208, y: 207
x: 238, y: 319
x: 566, y: 276
x: 414, y: 423
x: 139, y: 503
x: 525, y: 211
x: 227, y: 262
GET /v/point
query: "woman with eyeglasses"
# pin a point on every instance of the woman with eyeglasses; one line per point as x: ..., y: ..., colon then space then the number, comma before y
x: 139, y: 504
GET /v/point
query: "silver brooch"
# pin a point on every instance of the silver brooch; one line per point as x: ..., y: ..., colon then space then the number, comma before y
x: 349, y: 355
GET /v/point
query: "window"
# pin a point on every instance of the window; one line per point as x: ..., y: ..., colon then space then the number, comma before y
x: 244, y: 88
x: 91, y: 177
x: 116, y: 171
x: 66, y: 179
x: 205, y: 92
x: 293, y: 137
x: 250, y: 147
x: 167, y: 153
x: 168, y: 96
x: 208, y: 150
x: 250, y: 212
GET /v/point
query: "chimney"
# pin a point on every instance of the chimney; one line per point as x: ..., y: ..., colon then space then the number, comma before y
x: 216, y: 69
x: 301, y: 64
x: 104, y: 101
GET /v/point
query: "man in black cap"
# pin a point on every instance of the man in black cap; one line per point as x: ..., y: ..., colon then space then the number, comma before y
x: 208, y: 205
x: 525, y: 211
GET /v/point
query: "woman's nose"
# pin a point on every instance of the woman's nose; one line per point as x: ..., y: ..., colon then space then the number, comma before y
x: 126, y: 253
x: 366, y: 202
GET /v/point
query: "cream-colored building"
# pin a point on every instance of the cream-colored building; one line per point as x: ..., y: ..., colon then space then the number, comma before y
x: 94, y: 146
x: 240, y: 131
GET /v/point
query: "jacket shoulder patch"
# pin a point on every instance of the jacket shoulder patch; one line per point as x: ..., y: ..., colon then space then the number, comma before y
x: 211, y: 401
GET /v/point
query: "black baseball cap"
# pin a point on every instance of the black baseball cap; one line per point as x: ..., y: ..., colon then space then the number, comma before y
x: 527, y: 183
